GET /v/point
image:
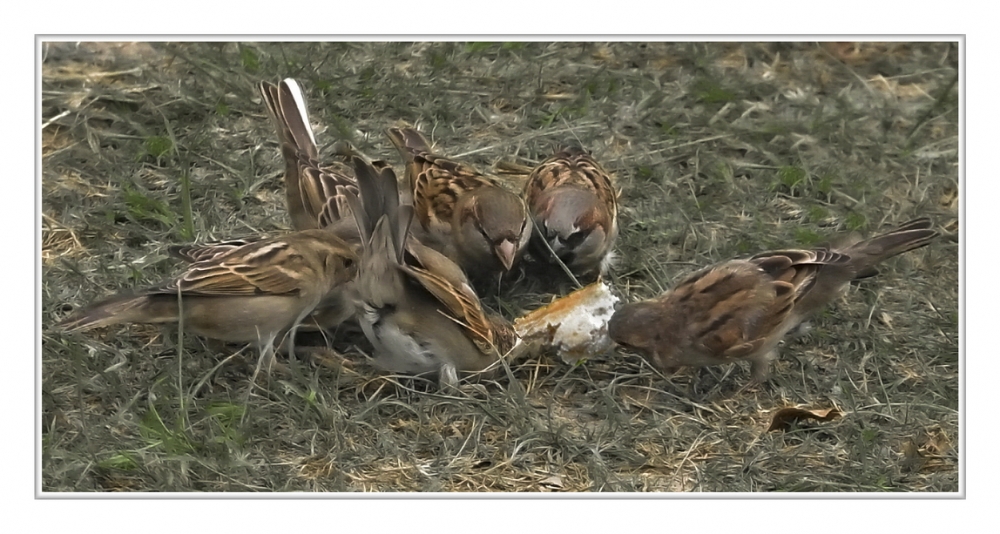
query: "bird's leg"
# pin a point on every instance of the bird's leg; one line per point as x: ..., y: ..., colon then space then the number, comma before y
x: 291, y: 342
x: 295, y: 327
x: 760, y: 370
x: 266, y: 355
x: 266, y: 348
x: 448, y: 376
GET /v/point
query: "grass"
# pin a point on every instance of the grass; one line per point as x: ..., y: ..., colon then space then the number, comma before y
x: 720, y: 149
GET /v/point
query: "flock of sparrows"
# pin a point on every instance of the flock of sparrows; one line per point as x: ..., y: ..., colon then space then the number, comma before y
x: 400, y: 262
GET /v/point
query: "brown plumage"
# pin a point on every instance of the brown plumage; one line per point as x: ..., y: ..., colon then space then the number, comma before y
x: 315, y: 192
x: 741, y: 309
x: 246, y: 294
x: 574, y: 204
x: 335, y: 308
x: 419, y: 310
x: 459, y: 211
x: 196, y: 252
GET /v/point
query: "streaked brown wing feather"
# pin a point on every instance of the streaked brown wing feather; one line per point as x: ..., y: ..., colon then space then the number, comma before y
x: 436, y: 190
x: 436, y: 181
x: 449, y: 285
x: 296, y: 143
x: 316, y: 193
x: 415, y: 149
x: 799, y: 268
x: 780, y: 309
x: 271, y: 268
x: 798, y: 257
x: 732, y: 308
x: 207, y: 251
x: 435, y: 195
x: 324, y: 191
x: 289, y: 122
x: 462, y: 307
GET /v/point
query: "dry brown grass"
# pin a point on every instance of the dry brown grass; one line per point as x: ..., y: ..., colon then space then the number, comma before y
x: 721, y: 150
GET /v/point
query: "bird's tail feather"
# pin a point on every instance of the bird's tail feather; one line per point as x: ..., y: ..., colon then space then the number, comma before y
x: 123, y: 309
x: 908, y: 236
x: 287, y: 107
x: 379, y: 198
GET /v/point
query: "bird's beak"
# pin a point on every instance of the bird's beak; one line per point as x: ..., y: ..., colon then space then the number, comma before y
x: 506, y: 251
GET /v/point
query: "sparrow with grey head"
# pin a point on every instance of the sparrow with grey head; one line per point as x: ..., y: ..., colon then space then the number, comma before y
x: 460, y: 212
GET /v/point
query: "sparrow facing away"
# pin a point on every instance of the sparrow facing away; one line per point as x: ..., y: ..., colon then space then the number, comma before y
x: 462, y: 213
x: 419, y: 311
x: 316, y: 194
x: 574, y: 204
x: 741, y: 309
x: 246, y: 293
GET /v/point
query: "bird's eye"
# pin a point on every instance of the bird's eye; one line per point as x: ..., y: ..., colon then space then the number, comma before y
x: 348, y: 262
x: 482, y: 232
x: 575, y: 239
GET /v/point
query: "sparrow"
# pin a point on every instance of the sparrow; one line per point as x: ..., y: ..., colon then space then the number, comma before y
x: 574, y: 205
x: 243, y: 293
x: 462, y: 213
x: 740, y: 309
x: 417, y: 306
x: 316, y: 193
x: 196, y: 252
x: 334, y: 309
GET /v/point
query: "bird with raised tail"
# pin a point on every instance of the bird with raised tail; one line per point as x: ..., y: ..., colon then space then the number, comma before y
x: 316, y: 192
x: 417, y: 306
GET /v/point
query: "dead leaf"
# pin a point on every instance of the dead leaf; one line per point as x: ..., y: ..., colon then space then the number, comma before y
x: 785, y: 417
